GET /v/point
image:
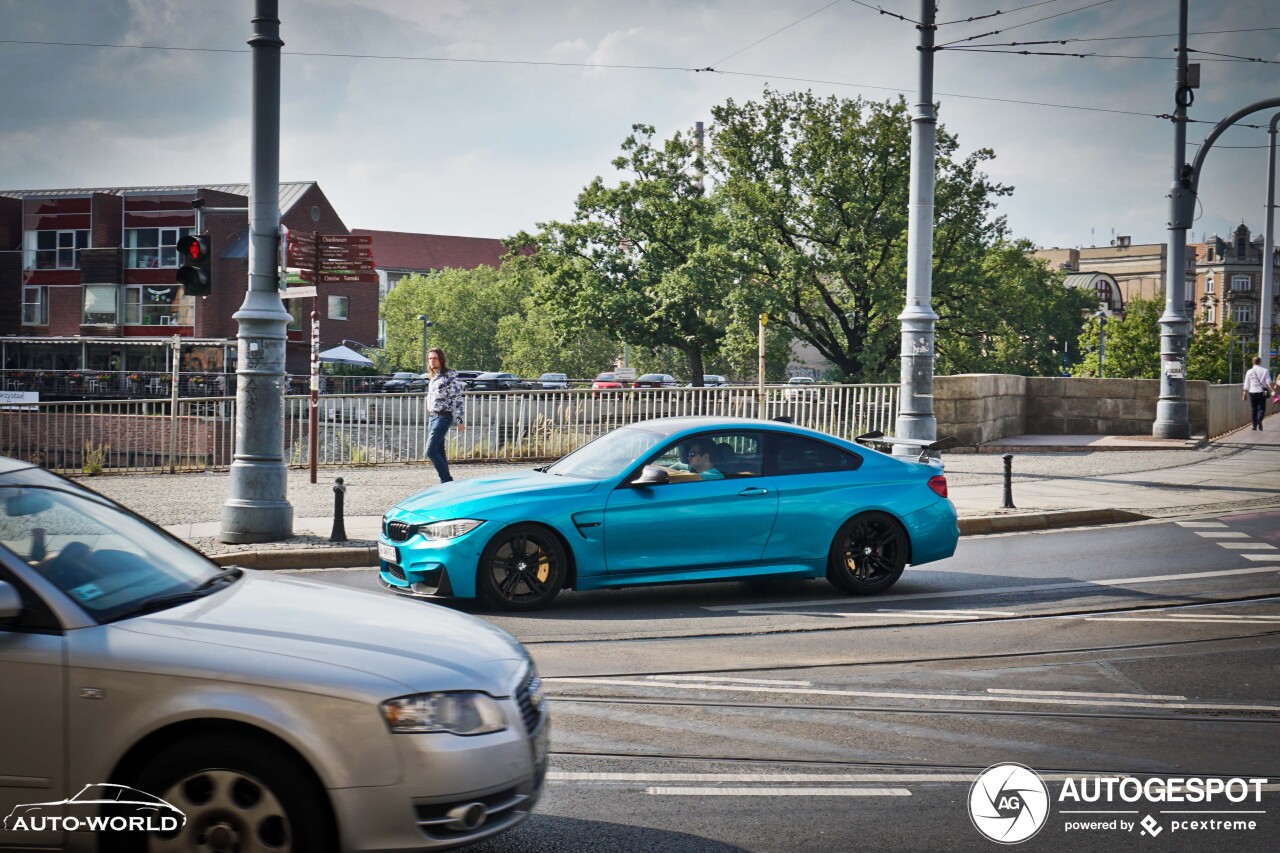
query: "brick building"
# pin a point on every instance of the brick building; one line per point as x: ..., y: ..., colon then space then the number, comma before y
x: 87, y: 279
x: 1129, y: 270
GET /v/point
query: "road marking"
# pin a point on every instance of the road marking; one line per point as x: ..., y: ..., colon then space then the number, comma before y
x: 950, y: 612
x: 1259, y: 557
x: 1001, y: 590
x: 936, y: 697
x: 760, y: 778
x: 734, y: 680
x: 1240, y: 620
x: 857, y: 614
x: 1247, y: 546
x: 779, y: 792
x: 1224, y: 616
x: 1082, y: 694
x: 1234, y: 534
x: 1199, y: 524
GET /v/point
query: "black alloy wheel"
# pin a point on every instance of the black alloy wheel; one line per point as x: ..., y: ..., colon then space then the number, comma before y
x: 868, y: 554
x: 522, y: 568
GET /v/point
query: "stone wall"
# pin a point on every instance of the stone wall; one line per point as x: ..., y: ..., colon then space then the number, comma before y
x: 977, y: 408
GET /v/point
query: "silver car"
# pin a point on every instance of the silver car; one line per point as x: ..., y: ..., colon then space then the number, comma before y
x: 273, y: 713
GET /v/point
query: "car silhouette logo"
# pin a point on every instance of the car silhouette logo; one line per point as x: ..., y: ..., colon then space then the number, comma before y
x: 103, y: 806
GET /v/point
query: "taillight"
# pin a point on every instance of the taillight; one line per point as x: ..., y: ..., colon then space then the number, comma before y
x: 939, y: 485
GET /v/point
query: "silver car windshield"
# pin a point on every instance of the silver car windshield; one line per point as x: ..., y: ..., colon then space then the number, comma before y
x: 607, y: 456
x: 105, y: 559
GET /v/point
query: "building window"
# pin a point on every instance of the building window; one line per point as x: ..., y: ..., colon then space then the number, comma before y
x: 1241, y: 282
x: 145, y: 305
x: 35, y: 306
x: 337, y: 307
x: 100, y: 304
x: 1243, y: 313
x: 152, y: 248
x: 1209, y: 284
x: 54, y: 250
x: 1210, y: 314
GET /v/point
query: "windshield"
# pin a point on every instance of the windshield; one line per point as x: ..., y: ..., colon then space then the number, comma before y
x: 104, y: 558
x: 607, y: 456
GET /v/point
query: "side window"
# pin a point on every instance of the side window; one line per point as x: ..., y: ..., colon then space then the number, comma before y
x: 36, y: 616
x: 796, y: 454
x: 713, y: 456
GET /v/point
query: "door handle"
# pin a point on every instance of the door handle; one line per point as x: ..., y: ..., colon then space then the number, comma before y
x: 751, y: 491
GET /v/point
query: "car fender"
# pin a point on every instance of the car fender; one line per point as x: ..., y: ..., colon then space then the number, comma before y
x: 572, y: 517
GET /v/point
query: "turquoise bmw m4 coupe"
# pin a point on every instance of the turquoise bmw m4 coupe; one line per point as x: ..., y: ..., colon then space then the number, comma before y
x: 673, y: 500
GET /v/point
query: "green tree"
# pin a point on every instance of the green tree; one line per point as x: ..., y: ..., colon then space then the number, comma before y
x: 645, y: 261
x: 816, y: 191
x: 532, y: 344
x: 1131, y: 345
x: 1030, y: 315
x: 464, y: 306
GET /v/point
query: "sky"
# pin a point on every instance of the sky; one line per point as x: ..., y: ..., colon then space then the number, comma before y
x: 485, y: 117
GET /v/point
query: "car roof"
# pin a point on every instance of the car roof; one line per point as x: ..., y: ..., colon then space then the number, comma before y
x: 672, y: 426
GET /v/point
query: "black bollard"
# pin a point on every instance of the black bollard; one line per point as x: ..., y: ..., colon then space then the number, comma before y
x: 1008, y: 481
x: 339, y: 533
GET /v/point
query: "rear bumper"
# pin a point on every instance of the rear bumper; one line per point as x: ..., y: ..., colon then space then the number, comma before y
x: 934, y: 532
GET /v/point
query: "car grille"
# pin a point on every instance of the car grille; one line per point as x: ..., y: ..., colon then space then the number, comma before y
x: 398, y: 531
x: 395, y: 571
x: 529, y: 698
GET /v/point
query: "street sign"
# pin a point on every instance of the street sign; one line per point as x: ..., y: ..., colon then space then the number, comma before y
x: 345, y: 240
x: 625, y: 374
x: 346, y: 264
x: 339, y: 277
x: 297, y: 292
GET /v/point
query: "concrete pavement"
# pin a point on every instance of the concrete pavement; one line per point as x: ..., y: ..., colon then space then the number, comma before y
x: 1058, y: 481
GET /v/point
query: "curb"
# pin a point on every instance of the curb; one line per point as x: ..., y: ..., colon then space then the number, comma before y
x: 986, y: 524
x: 367, y: 557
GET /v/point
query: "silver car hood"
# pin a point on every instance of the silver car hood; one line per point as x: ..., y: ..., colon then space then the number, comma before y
x: 421, y: 646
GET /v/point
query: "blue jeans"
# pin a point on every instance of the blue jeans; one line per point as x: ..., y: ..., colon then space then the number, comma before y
x: 437, y: 427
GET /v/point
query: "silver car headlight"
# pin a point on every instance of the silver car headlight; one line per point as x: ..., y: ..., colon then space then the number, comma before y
x: 458, y: 713
x: 448, y: 529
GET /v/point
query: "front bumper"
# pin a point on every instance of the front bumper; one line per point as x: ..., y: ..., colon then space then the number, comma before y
x: 440, y: 568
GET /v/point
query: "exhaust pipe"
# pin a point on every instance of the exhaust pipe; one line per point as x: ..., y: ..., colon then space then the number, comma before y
x: 468, y: 817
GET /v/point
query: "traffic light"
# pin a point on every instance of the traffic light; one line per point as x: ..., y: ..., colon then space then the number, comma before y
x: 196, y: 274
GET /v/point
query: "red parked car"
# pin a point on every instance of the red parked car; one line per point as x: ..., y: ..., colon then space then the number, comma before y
x: 607, y: 382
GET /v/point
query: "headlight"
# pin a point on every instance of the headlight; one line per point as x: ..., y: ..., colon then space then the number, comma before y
x: 459, y: 713
x: 448, y: 529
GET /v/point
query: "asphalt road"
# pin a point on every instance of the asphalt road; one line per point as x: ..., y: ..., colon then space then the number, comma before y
x: 786, y: 717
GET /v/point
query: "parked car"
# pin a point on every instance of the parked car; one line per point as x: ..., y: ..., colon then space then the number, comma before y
x: 607, y: 382
x: 401, y: 383
x: 655, y: 380
x: 711, y: 380
x: 468, y: 377
x: 325, y: 718
x: 799, y: 387
x: 553, y: 382
x: 635, y: 507
x: 498, y: 382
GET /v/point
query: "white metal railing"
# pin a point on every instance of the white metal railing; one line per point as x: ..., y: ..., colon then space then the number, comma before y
x: 132, y: 436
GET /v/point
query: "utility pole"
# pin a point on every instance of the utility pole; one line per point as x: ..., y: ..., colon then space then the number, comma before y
x: 426, y: 324
x: 1268, y: 253
x: 915, y: 406
x: 1172, y: 419
x: 257, y: 508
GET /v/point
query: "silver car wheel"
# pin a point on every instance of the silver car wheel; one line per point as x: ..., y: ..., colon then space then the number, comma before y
x: 227, y: 810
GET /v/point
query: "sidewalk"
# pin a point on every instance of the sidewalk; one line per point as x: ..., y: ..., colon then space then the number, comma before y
x: 1058, y: 481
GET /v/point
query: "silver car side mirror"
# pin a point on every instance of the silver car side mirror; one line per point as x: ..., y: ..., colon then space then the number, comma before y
x: 10, y: 603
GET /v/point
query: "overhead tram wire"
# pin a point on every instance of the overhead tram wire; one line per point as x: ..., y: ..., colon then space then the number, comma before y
x: 883, y: 11
x: 1116, y: 38
x: 895, y: 89
x: 775, y: 32
x: 1229, y: 57
x: 964, y: 48
x: 1024, y: 24
x: 994, y: 14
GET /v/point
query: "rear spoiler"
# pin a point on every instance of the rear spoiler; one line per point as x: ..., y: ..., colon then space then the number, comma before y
x: 928, y: 449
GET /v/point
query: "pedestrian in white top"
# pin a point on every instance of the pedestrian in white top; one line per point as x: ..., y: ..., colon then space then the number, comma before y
x: 1257, y: 387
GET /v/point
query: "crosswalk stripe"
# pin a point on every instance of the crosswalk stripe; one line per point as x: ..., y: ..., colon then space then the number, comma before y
x: 779, y: 792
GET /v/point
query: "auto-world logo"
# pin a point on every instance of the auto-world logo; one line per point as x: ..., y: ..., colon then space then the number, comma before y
x: 1008, y: 803
x: 98, y: 808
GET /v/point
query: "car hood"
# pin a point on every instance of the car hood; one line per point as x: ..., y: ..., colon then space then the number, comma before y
x: 447, y: 500
x: 418, y: 645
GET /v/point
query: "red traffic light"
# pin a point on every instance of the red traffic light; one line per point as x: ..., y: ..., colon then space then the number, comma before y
x: 194, y: 249
x: 196, y: 273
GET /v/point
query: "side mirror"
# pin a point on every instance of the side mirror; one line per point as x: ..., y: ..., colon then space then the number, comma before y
x: 652, y: 475
x: 10, y: 603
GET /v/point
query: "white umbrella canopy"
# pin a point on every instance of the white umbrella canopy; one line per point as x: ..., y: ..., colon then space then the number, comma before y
x: 345, y: 355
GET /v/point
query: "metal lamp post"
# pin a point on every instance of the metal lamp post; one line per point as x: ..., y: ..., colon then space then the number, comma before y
x: 426, y: 324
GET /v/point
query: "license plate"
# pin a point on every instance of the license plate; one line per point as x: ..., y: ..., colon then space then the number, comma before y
x: 390, y: 553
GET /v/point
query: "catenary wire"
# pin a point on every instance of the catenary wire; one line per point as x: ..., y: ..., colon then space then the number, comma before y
x: 1028, y: 23
x: 775, y: 32
x: 995, y: 13
x: 1119, y: 38
x: 886, y: 12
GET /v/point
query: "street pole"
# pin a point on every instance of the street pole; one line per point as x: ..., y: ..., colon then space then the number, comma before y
x: 760, y: 400
x: 313, y: 402
x: 915, y: 406
x: 1102, y: 343
x: 1268, y: 253
x: 257, y: 508
x: 1171, y: 409
x: 426, y: 324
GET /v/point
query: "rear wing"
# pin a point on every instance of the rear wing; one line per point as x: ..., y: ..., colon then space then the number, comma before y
x: 928, y: 449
